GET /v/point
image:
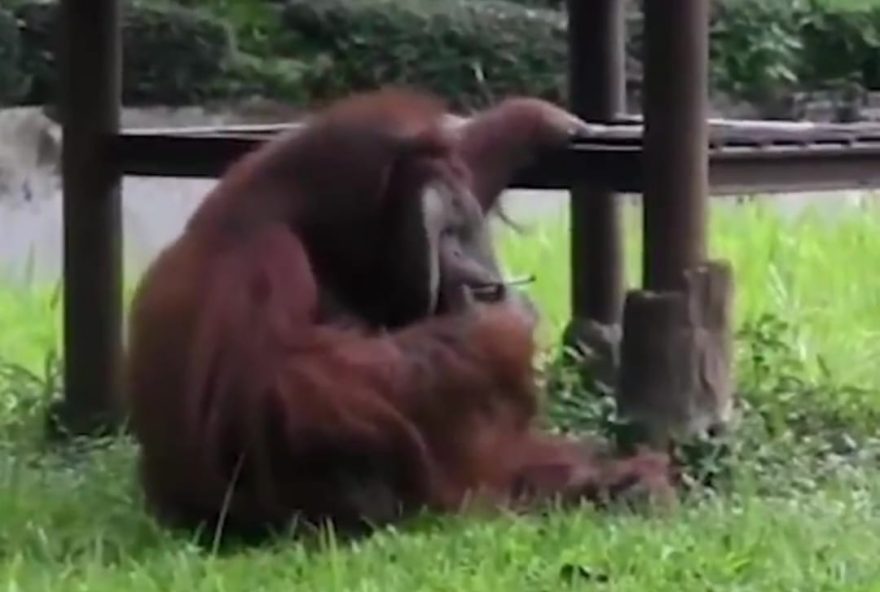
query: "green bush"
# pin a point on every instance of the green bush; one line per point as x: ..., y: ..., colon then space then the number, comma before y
x: 279, y: 78
x: 470, y: 52
x: 172, y: 54
x: 13, y: 82
x: 755, y: 47
x: 255, y: 24
x: 176, y: 53
x: 841, y: 46
x: 39, y: 37
x: 764, y: 49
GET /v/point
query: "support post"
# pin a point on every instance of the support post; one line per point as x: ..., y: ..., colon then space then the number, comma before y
x: 676, y: 139
x: 596, y: 41
x: 675, y: 377
x: 90, y: 106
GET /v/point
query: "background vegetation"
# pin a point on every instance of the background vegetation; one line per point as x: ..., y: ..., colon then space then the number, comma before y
x: 304, y: 51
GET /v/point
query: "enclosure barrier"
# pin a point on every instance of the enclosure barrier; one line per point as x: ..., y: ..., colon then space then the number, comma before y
x: 744, y: 156
x: 671, y: 359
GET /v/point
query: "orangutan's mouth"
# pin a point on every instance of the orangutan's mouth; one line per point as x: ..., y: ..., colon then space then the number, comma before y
x: 457, y: 298
x: 495, y: 291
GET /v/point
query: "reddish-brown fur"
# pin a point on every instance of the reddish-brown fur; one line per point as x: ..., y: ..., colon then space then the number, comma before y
x: 261, y: 383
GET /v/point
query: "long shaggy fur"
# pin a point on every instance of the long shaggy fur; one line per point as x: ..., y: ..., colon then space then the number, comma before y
x: 263, y: 382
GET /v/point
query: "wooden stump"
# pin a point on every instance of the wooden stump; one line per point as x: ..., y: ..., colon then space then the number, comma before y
x: 598, y: 348
x: 676, y: 356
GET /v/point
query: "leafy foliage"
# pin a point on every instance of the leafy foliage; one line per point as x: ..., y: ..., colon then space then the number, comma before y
x: 256, y: 24
x: 12, y: 77
x: 787, y: 419
x: 764, y: 49
x: 172, y: 54
x: 789, y: 430
x: 841, y: 46
x: 471, y: 52
x: 756, y: 48
x: 178, y: 50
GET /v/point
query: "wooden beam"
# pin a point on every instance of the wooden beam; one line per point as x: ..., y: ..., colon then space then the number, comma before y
x: 90, y: 110
x: 615, y: 163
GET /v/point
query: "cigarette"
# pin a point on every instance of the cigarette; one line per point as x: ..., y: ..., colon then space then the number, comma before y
x: 520, y: 281
x: 493, y: 288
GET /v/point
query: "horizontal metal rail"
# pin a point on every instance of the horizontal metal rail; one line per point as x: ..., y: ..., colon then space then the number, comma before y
x: 745, y: 156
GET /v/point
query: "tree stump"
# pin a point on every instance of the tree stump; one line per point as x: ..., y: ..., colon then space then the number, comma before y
x: 676, y: 356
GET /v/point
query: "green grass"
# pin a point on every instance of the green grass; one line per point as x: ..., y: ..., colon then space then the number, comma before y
x: 803, y: 513
x: 815, y: 272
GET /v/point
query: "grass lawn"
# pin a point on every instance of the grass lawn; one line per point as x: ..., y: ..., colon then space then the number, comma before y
x: 802, y: 512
